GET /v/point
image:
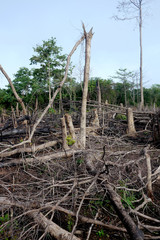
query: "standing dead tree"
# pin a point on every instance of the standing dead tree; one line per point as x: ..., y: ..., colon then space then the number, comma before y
x: 132, y: 9
x: 88, y: 37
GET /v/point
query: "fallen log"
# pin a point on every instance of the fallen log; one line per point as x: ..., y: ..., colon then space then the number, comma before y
x: 16, y: 131
x: 31, y: 149
x: 50, y: 227
x: 42, y: 159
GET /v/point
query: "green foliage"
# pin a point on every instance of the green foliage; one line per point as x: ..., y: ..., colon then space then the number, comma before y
x: 5, y: 232
x: 121, y: 117
x: 106, y: 86
x: 70, y: 223
x: 100, y: 233
x: 127, y: 197
x: 80, y: 161
x: 49, y: 67
x: 51, y: 111
x: 70, y: 140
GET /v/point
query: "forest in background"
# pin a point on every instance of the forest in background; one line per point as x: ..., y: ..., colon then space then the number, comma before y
x: 37, y: 85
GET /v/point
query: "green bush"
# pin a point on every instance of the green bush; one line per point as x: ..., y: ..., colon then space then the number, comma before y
x: 70, y: 140
x: 121, y: 117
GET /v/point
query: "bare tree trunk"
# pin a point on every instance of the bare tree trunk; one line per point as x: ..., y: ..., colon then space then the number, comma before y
x: 51, y: 227
x: 70, y: 126
x: 64, y: 134
x: 14, y: 91
x: 88, y: 38
x: 95, y: 122
x: 131, y: 128
x: 149, y: 173
x: 141, y: 75
x: 134, y: 232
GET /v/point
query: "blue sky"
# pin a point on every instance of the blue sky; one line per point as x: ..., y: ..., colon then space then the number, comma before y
x: 115, y: 44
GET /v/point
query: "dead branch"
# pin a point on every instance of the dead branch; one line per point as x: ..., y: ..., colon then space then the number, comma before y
x: 14, y: 90
x: 51, y: 227
x: 31, y: 149
x: 149, y: 173
x: 42, y: 159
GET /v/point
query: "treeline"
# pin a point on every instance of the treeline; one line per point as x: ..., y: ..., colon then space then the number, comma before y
x: 36, y: 86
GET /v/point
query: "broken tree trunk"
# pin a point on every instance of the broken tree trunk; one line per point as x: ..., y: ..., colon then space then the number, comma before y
x: 51, y: 227
x: 134, y: 232
x: 131, y: 128
x: 64, y: 134
x: 95, y: 122
x: 149, y: 173
x: 14, y: 90
x: 88, y: 38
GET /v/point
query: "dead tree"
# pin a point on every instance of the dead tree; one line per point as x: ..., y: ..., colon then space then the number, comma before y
x: 131, y: 128
x: 88, y: 37
x: 132, y: 9
x: 95, y: 122
x: 64, y: 134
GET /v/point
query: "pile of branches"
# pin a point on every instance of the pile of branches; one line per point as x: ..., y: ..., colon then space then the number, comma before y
x: 110, y: 189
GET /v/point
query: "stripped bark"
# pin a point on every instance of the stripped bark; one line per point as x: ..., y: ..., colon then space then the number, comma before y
x: 51, y: 227
x: 64, y: 134
x: 95, y: 122
x: 31, y: 149
x: 149, y: 174
x: 70, y: 126
x: 88, y: 38
x: 39, y: 159
x: 131, y: 128
x: 134, y: 232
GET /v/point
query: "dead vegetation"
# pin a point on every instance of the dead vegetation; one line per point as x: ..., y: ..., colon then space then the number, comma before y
x: 110, y: 189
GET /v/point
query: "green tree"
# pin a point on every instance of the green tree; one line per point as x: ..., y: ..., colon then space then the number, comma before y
x: 106, y: 86
x: 155, y: 94
x: 125, y: 77
x: 51, y: 62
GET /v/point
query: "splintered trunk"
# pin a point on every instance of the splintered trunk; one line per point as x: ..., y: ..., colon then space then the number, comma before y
x: 88, y: 38
x: 95, y: 122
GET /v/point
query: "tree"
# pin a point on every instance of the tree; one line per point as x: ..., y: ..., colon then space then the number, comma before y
x: 52, y: 64
x: 132, y: 9
x: 125, y: 77
x: 88, y: 38
x: 23, y: 83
